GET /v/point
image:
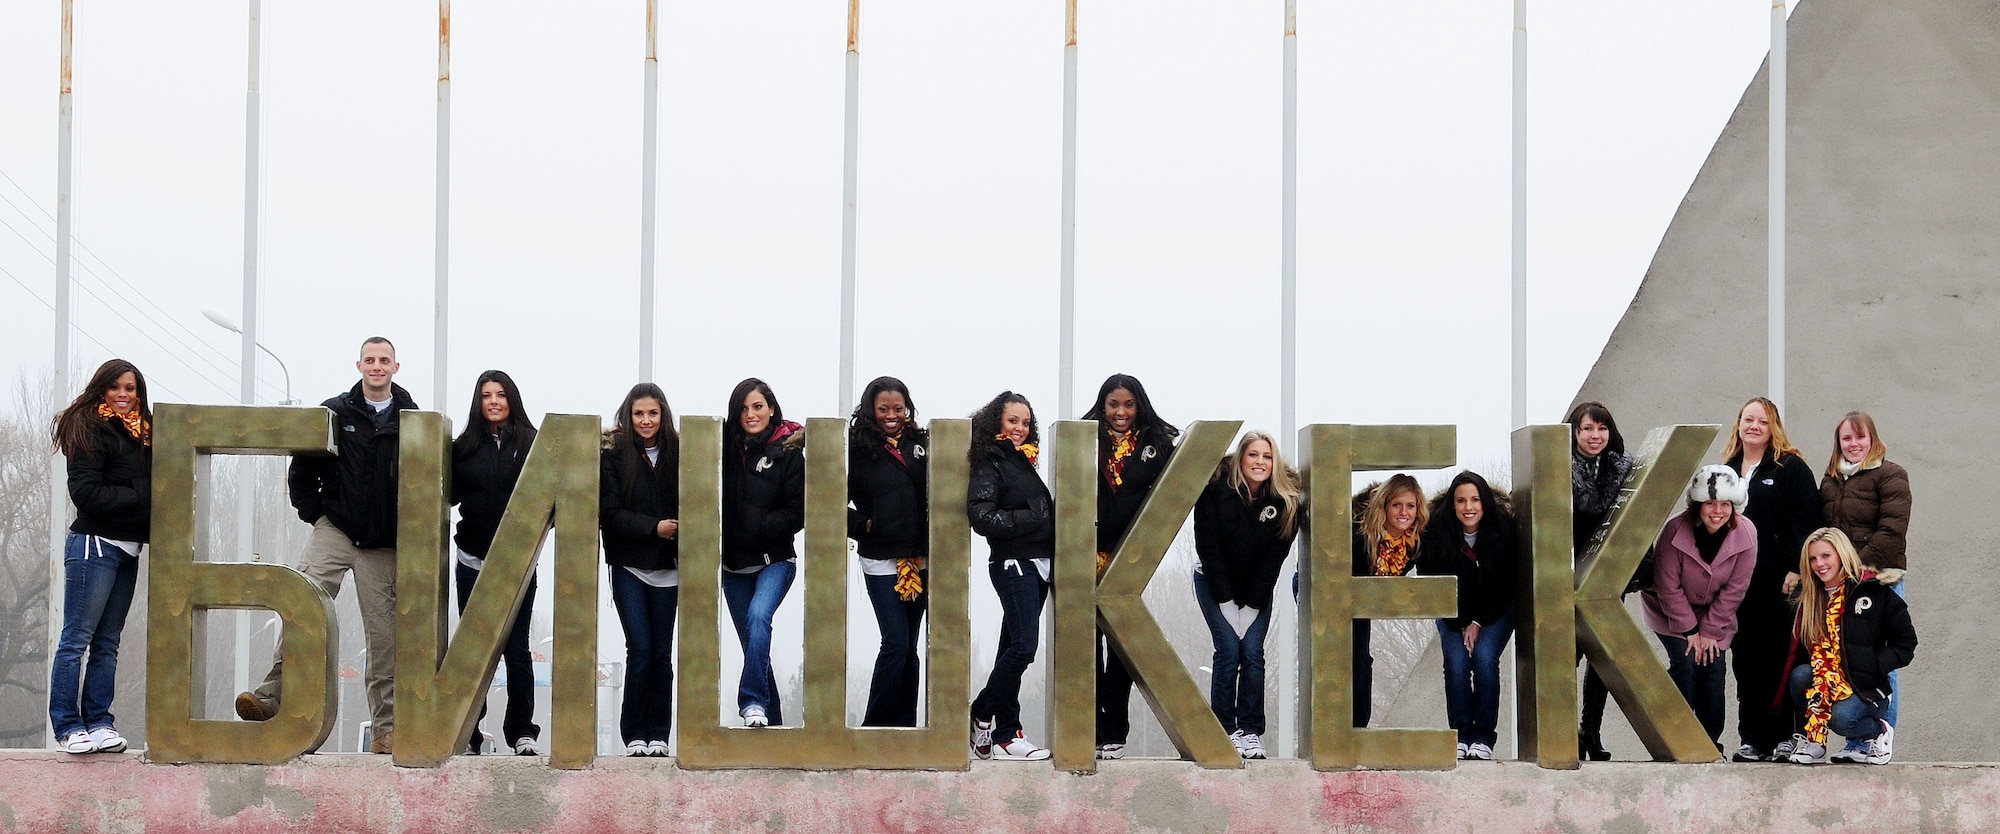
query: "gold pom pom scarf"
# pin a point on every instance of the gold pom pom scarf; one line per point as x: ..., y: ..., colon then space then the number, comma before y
x: 909, y: 577
x: 1122, y: 446
x: 1829, y: 680
x: 135, y: 422
x: 1392, y: 556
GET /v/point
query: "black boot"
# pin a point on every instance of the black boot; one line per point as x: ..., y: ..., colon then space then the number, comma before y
x: 1591, y: 748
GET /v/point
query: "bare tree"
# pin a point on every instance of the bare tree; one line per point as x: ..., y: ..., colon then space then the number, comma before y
x: 24, y: 565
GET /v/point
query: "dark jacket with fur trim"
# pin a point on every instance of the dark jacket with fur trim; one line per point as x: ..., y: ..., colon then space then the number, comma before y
x: 1876, y: 638
x: 111, y: 482
x: 763, y: 498
x: 1006, y: 501
x: 356, y: 488
x: 1117, y: 506
x: 1486, y: 571
x: 1242, y: 544
x: 1873, y: 508
x: 482, y: 479
x: 1594, y: 485
x: 889, y: 516
x: 1785, y: 507
x: 630, y: 514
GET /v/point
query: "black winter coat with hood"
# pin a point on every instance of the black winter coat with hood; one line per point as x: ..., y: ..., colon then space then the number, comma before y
x: 1242, y: 544
x: 1876, y: 638
x: 1486, y: 571
x: 1117, y: 506
x: 889, y: 516
x: 111, y: 482
x: 1785, y: 506
x: 356, y: 487
x: 630, y: 514
x: 1006, y: 501
x: 483, y: 476
x: 763, y: 498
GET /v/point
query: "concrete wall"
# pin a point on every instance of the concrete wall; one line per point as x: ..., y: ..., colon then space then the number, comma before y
x: 1894, y: 306
x: 47, y: 792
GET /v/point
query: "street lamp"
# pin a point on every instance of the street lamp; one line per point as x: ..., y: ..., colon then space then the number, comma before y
x: 222, y: 320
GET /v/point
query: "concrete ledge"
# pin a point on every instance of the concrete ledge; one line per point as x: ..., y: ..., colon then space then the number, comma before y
x: 47, y: 792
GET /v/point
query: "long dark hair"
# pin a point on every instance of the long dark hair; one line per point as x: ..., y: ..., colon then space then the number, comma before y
x: 70, y: 431
x: 1493, y: 513
x: 863, y: 434
x: 1148, y: 420
x: 631, y: 454
x: 986, y: 424
x: 476, y: 430
x: 732, y: 429
x: 1596, y: 411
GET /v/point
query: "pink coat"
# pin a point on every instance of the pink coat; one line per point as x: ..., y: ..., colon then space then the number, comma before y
x: 1688, y: 592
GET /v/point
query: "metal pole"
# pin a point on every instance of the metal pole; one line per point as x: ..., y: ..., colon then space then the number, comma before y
x: 59, y: 376
x: 649, y: 187
x: 847, y: 204
x: 1775, y: 247
x: 1288, y: 385
x: 441, y: 329
x: 1066, y: 306
x: 1520, y: 247
x: 246, y: 492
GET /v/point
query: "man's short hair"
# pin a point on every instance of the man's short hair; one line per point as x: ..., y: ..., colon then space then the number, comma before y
x: 379, y: 340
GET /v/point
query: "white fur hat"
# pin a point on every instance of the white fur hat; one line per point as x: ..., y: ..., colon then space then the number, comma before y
x: 1716, y: 482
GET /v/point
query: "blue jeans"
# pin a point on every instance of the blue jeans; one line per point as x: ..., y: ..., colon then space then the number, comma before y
x: 646, y: 614
x: 1236, y: 686
x: 1022, y: 592
x: 1895, y: 693
x: 892, y: 690
x: 1700, y: 684
x: 1853, y: 719
x: 1472, y: 679
x: 98, y: 581
x: 519, y: 721
x: 753, y: 600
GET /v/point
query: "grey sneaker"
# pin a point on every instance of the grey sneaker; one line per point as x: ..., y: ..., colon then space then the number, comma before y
x: 982, y: 738
x: 1253, y: 747
x: 1236, y: 741
x: 1479, y: 751
x: 525, y: 746
x: 1783, y: 752
x: 753, y: 716
x: 1463, y: 751
x: 1111, y: 750
x: 1747, y: 753
x: 1807, y: 752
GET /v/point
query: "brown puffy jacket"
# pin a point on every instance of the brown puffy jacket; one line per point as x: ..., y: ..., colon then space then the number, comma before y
x: 1873, y: 508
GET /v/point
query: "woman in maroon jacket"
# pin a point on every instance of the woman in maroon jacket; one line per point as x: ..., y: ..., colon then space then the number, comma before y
x: 1702, y: 565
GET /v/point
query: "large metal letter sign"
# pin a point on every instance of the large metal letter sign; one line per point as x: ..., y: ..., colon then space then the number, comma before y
x: 1617, y: 648
x: 1121, y: 611
x: 181, y: 587
x: 438, y: 698
x: 1545, y: 656
x: 1072, y: 649
x: 824, y: 741
x: 1333, y: 598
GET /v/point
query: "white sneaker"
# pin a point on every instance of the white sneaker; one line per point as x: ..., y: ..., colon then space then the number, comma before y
x: 1783, y: 752
x: 1463, y: 751
x: 982, y: 738
x: 1111, y: 750
x: 1853, y: 752
x: 1883, y: 747
x: 656, y: 749
x: 635, y: 748
x: 107, y: 740
x: 1479, y: 751
x: 1019, y: 748
x: 753, y: 716
x: 76, y: 742
x: 1808, y: 752
x: 1253, y: 747
x: 525, y: 746
x: 1236, y: 741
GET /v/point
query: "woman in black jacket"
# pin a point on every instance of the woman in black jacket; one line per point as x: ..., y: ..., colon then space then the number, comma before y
x: 1598, y: 465
x: 486, y: 461
x: 107, y: 435
x: 1244, y: 523
x: 1006, y: 502
x: 1131, y: 455
x: 889, y: 520
x: 1472, y: 537
x: 1852, y: 631
x: 638, y: 508
x: 1389, y: 521
x: 1784, y: 506
x: 763, y: 507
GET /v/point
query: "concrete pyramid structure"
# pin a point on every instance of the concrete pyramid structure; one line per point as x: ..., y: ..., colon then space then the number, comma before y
x: 1894, y: 308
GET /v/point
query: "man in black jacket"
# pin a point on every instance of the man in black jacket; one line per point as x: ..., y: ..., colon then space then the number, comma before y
x: 350, y: 500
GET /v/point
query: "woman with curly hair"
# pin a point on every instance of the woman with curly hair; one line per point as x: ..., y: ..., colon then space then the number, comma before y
x: 1007, y: 503
x: 1472, y: 538
x: 888, y: 518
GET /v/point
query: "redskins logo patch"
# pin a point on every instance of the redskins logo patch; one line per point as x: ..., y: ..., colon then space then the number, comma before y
x: 1268, y: 514
x: 763, y: 463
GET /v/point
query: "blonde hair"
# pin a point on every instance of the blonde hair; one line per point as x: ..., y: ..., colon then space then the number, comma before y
x: 1780, y: 444
x: 1375, y: 519
x: 1877, y: 450
x: 1284, y: 482
x: 1809, y: 623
